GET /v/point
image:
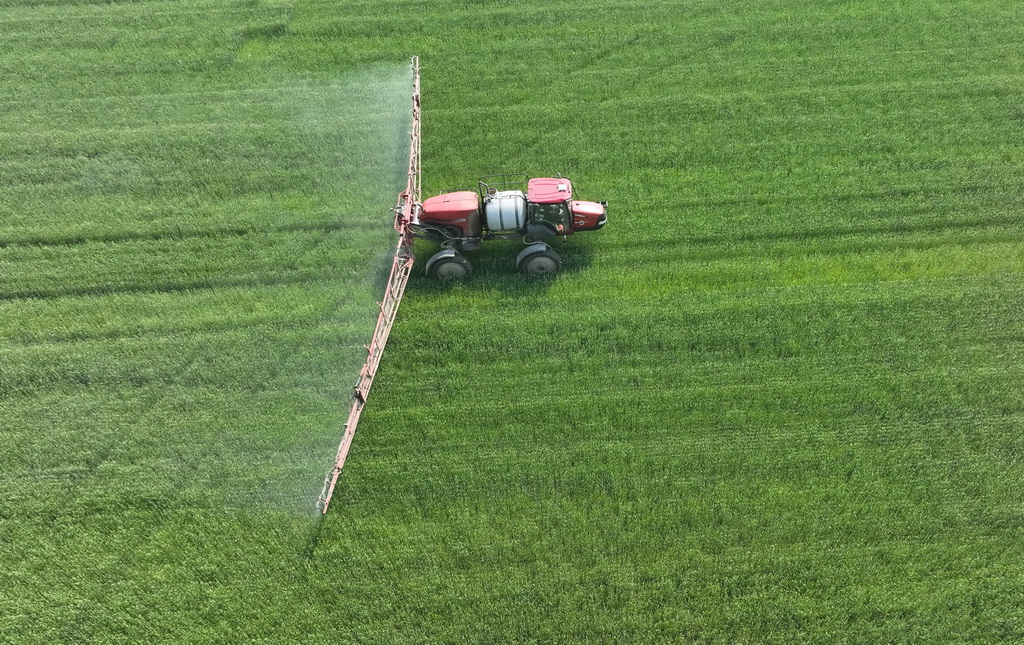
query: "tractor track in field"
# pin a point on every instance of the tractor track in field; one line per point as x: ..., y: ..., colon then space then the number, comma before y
x: 853, y: 233
x: 824, y: 198
x: 213, y: 330
x: 156, y: 236
x: 256, y: 282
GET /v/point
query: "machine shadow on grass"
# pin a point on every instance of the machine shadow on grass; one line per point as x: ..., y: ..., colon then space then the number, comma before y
x: 494, y: 269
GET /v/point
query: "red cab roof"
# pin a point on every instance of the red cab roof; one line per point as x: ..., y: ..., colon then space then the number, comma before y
x: 548, y: 190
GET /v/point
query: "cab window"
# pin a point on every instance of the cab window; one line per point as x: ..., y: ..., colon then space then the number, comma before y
x: 555, y: 214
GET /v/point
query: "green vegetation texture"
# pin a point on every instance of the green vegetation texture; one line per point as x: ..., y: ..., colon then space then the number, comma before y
x: 777, y: 399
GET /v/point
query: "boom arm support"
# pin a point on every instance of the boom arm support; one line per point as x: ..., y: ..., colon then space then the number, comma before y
x: 405, y: 214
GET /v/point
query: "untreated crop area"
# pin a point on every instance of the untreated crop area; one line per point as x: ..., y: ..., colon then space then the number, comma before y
x: 777, y: 399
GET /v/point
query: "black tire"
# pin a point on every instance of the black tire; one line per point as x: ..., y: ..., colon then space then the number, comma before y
x: 454, y: 268
x: 541, y: 264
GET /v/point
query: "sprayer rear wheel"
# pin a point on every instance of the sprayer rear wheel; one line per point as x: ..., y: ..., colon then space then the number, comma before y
x: 456, y: 267
x: 542, y: 264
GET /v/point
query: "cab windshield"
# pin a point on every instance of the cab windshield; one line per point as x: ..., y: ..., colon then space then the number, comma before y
x: 557, y: 215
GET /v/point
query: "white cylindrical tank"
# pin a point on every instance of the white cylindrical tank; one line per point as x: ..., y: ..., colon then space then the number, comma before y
x: 506, y: 211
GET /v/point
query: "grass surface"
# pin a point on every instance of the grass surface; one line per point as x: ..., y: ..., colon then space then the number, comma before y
x: 777, y: 399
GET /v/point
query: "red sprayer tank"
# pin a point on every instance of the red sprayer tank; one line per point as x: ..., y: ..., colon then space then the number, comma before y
x: 460, y: 209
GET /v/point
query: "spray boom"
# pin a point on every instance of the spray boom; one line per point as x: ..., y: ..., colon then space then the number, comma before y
x: 401, y: 267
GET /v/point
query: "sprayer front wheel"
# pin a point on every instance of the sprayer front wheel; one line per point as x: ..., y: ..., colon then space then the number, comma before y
x: 456, y: 267
x: 542, y: 264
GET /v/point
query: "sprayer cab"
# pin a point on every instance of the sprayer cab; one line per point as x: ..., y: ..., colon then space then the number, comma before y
x: 504, y: 207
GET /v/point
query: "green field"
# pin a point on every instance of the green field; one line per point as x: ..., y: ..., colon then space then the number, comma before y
x: 777, y: 399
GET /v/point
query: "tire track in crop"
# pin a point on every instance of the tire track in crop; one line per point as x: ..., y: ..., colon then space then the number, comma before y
x: 850, y: 232
x: 211, y: 329
x: 252, y: 259
x: 745, y: 439
x: 162, y: 235
x: 853, y: 247
x: 250, y: 358
x: 183, y: 287
x: 971, y: 189
x: 162, y: 98
x: 34, y: 11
